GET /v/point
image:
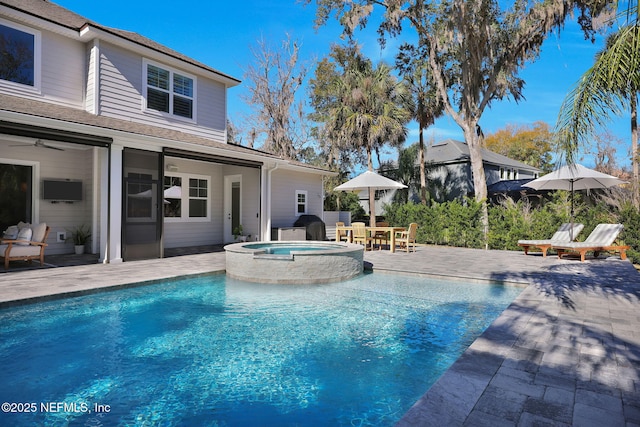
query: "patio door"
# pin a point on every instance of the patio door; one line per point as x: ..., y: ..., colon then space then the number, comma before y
x: 16, y: 190
x: 142, y: 212
x: 232, y: 205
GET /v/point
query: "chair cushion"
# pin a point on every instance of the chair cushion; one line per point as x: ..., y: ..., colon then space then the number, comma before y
x: 11, y: 233
x: 19, y: 250
x: 24, y: 234
x: 38, y: 232
x: 22, y: 225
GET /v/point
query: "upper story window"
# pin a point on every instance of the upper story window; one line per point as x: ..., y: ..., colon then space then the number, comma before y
x: 20, y: 55
x: 169, y: 91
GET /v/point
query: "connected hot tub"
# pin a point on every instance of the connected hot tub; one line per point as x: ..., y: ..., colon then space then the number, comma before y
x: 294, y: 262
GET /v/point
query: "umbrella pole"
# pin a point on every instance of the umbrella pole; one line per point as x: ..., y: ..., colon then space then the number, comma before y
x: 571, y: 222
x: 372, y: 207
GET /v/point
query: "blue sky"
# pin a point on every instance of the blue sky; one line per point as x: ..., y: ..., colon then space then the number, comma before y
x: 220, y: 34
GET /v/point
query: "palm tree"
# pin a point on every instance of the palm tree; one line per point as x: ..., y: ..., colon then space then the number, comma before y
x: 424, y: 104
x: 368, y: 112
x: 608, y: 88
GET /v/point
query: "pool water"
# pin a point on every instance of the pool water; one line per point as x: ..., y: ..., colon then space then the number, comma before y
x: 283, y: 249
x: 211, y: 351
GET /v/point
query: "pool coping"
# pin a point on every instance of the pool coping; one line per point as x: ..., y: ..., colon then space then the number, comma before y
x: 565, y: 352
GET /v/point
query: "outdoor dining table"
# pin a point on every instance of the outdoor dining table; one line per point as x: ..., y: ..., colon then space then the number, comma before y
x: 388, y: 229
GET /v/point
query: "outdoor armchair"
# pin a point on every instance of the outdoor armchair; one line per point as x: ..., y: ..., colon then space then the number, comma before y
x: 407, y: 238
x: 563, y: 235
x: 27, y: 245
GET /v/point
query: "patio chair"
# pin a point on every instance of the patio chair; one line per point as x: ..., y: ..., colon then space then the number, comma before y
x: 563, y: 235
x: 342, y: 235
x: 28, y: 245
x: 407, y: 237
x: 360, y: 234
x: 601, y: 239
x: 380, y: 236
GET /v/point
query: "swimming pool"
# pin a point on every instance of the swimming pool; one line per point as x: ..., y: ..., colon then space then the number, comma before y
x: 216, y: 351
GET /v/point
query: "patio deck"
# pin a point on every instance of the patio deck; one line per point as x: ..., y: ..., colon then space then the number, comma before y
x: 566, y: 352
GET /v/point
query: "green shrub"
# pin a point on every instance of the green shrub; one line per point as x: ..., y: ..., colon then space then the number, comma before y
x: 458, y: 223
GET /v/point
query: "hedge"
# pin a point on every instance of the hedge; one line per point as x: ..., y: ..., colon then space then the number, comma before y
x: 458, y: 222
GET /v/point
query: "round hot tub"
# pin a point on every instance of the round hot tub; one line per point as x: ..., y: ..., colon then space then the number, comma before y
x: 295, y: 262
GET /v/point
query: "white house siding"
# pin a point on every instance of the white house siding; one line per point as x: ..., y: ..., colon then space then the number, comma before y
x: 121, y: 92
x: 63, y: 70
x: 90, y: 99
x: 284, y: 185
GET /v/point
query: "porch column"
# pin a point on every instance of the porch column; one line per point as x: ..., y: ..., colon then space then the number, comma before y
x: 114, y: 237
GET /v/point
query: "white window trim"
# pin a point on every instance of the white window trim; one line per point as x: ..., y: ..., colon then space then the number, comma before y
x: 306, y: 202
x: 184, y: 211
x: 37, y: 60
x: 145, y: 64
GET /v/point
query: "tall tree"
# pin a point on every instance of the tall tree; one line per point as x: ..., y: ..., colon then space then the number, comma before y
x: 530, y: 144
x: 474, y: 49
x: 424, y: 104
x: 363, y: 108
x: 273, y: 82
x: 609, y: 88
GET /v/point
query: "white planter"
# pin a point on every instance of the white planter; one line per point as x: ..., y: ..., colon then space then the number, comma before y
x: 79, y: 249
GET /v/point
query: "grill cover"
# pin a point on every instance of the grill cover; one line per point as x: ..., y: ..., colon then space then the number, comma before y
x: 315, y: 227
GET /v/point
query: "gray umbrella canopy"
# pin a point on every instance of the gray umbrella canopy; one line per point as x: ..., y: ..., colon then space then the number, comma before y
x: 370, y: 181
x: 574, y: 177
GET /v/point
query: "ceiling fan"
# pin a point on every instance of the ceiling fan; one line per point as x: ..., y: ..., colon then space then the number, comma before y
x: 39, y: 143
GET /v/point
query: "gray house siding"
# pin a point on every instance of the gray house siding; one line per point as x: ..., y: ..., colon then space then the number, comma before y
x: 122, y: 91
x: 284, y: 187
x: 63, y: 65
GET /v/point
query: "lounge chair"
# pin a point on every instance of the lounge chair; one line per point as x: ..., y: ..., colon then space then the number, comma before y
x: 601, y: 239
x: 27, y: 245
x: 407, y: 238
x: 561, y: 236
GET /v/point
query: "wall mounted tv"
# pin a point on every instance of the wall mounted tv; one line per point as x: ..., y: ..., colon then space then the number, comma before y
x: 61, y: 190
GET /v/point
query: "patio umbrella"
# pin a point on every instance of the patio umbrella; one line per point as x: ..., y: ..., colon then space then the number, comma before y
x: 370, y: 181
x: 572, y: 178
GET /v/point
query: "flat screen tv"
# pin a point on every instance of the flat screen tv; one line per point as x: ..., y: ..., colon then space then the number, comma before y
x: 61, y: 190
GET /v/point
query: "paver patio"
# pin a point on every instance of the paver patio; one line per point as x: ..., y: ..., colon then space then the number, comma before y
x: 566, y: 352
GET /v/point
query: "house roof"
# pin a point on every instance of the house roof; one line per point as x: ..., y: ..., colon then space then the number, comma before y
x: 110, y: 126
x: 452, y: 151
x: 58, y: 15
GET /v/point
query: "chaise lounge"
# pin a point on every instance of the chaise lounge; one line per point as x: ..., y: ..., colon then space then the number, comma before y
x: 601, y: 239
x: 563, y: 235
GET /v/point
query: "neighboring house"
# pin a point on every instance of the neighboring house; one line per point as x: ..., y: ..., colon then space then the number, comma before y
x: 449, y: 176
x: 104, y: 127
x: 449, y: 169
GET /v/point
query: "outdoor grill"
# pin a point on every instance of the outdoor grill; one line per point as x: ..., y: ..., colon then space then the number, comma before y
x: 315, y: 228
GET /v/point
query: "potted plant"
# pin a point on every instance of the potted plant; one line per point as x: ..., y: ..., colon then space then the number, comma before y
x: 80, y: 236
x: 238, y: 236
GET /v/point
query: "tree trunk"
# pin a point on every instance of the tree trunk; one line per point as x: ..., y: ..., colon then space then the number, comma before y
x: 635, y: 184
x: 372, y: 194
x: 423, y: 174
x: 474, y: 142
